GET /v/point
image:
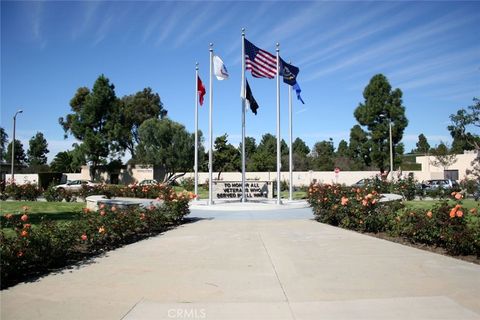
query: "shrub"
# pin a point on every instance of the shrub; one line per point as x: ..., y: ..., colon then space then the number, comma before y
x: 445, y: 225
x: 34, y: 249
x: 27, y: 192
x: 188, y: 184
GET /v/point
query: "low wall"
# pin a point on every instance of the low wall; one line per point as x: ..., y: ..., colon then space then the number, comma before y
x: 304, y: 178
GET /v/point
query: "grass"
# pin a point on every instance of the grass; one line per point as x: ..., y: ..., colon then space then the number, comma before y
x: 428, y: 204
x: 60, y: 211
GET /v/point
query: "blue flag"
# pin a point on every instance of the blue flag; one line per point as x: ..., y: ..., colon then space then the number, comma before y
x: 297, y: 89
x: 288, y: 72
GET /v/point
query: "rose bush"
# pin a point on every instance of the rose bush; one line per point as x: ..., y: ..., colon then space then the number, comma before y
x: 32, y: 249
x: 446, y: 225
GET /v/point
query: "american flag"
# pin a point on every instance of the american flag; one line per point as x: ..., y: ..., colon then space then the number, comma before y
x: 261, y: 63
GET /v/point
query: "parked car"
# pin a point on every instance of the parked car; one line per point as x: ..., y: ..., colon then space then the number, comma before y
x: 476, y: 193
x: 75, y: 185
x: 148, y: 182
x: 361, y: 183
x: 439, y: 183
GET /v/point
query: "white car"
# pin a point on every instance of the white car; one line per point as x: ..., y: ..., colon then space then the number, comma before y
x: 75, y: 185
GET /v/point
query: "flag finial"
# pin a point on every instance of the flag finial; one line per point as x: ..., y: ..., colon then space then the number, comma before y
x: 278, y: 46
x: 196, y: 65
x: 211, y: 46
x: 243, y: 31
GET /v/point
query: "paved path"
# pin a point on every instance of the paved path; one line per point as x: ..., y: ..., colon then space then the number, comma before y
x: 232, y: 265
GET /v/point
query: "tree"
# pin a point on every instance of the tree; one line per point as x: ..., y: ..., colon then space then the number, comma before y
x: 300, y: 147
x: 422, y: 145
x: 442, y: 157
x: 250, y: 149
x: 3, y: 142
x: 342, y: 150
x: 93, y: 120
x: 323, y: 155
x: 463, y: 121
x: 382, y: 106
x: 167, y: 144
x: 359, y: 148
x: 133, y: 111
x: 265, y: 158
x: 300, y: 155
x: 67, y: 161
x: 225, y: 157
x: 19, y: 158
x: 37, y: 150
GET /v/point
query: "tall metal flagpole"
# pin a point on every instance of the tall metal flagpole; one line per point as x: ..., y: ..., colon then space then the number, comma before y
x: 278, y: 127
x: 243, y: 88
x: 196, y: 131
x: 290, y: 154
x: 210, y: 151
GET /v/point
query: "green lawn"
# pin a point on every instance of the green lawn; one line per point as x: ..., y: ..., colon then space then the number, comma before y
x: 428, y: 204
x: 37, y: 209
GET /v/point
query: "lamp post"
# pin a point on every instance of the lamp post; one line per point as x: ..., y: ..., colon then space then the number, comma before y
x: 390, y: 139
x: 391, y: 147
x: 12, y: 177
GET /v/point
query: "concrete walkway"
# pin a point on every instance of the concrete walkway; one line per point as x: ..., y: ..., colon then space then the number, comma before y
x: 233, y: 265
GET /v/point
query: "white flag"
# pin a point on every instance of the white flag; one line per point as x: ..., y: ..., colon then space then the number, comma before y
x: 219, y: 68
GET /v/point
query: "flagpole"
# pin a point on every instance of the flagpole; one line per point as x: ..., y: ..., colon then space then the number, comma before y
x: 196, y: 131
x: 243, y: 87
x: 210, y: 151
x: 290, y: 155
x: 278, y: 127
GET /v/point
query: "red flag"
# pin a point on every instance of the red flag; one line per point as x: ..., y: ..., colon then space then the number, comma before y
x: 201, y: 90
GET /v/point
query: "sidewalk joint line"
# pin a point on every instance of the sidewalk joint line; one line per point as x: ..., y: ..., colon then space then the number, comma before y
x: 276, y: 275
x: 133, y: 307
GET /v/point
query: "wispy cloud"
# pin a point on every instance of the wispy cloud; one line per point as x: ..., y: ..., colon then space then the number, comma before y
x: 403, y: 42
x: 202, y: 14
x: 89, y: 11
x: 37, y: 23
x: 301, y: 111
x: 103, y: 29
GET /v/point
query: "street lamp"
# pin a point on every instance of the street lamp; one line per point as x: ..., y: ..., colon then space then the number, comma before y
x: 391, y: 144
x: 12, y: 177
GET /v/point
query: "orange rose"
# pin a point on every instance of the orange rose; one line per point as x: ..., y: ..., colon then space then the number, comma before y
x: 364, y: 202
x: 344, y: 201
x: 453, y: 212
x: 27, y: 226
x: 8, y: 216
x: 459, y: 213
x: 24, y: 233
x: 458, y: 196
x: 24, y: 218
x: 84, y: 237
x: 101, y: 230
x: 19, y: 254
x: 429, y: 214
x: 114, y: 209
x: 102, y: 213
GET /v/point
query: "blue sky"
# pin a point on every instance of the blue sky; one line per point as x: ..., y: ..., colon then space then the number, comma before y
x: 430, y: 50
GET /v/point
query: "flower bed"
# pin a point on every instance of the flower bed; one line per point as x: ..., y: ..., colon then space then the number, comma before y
x: 35, y: 249
x: 444, y: 225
